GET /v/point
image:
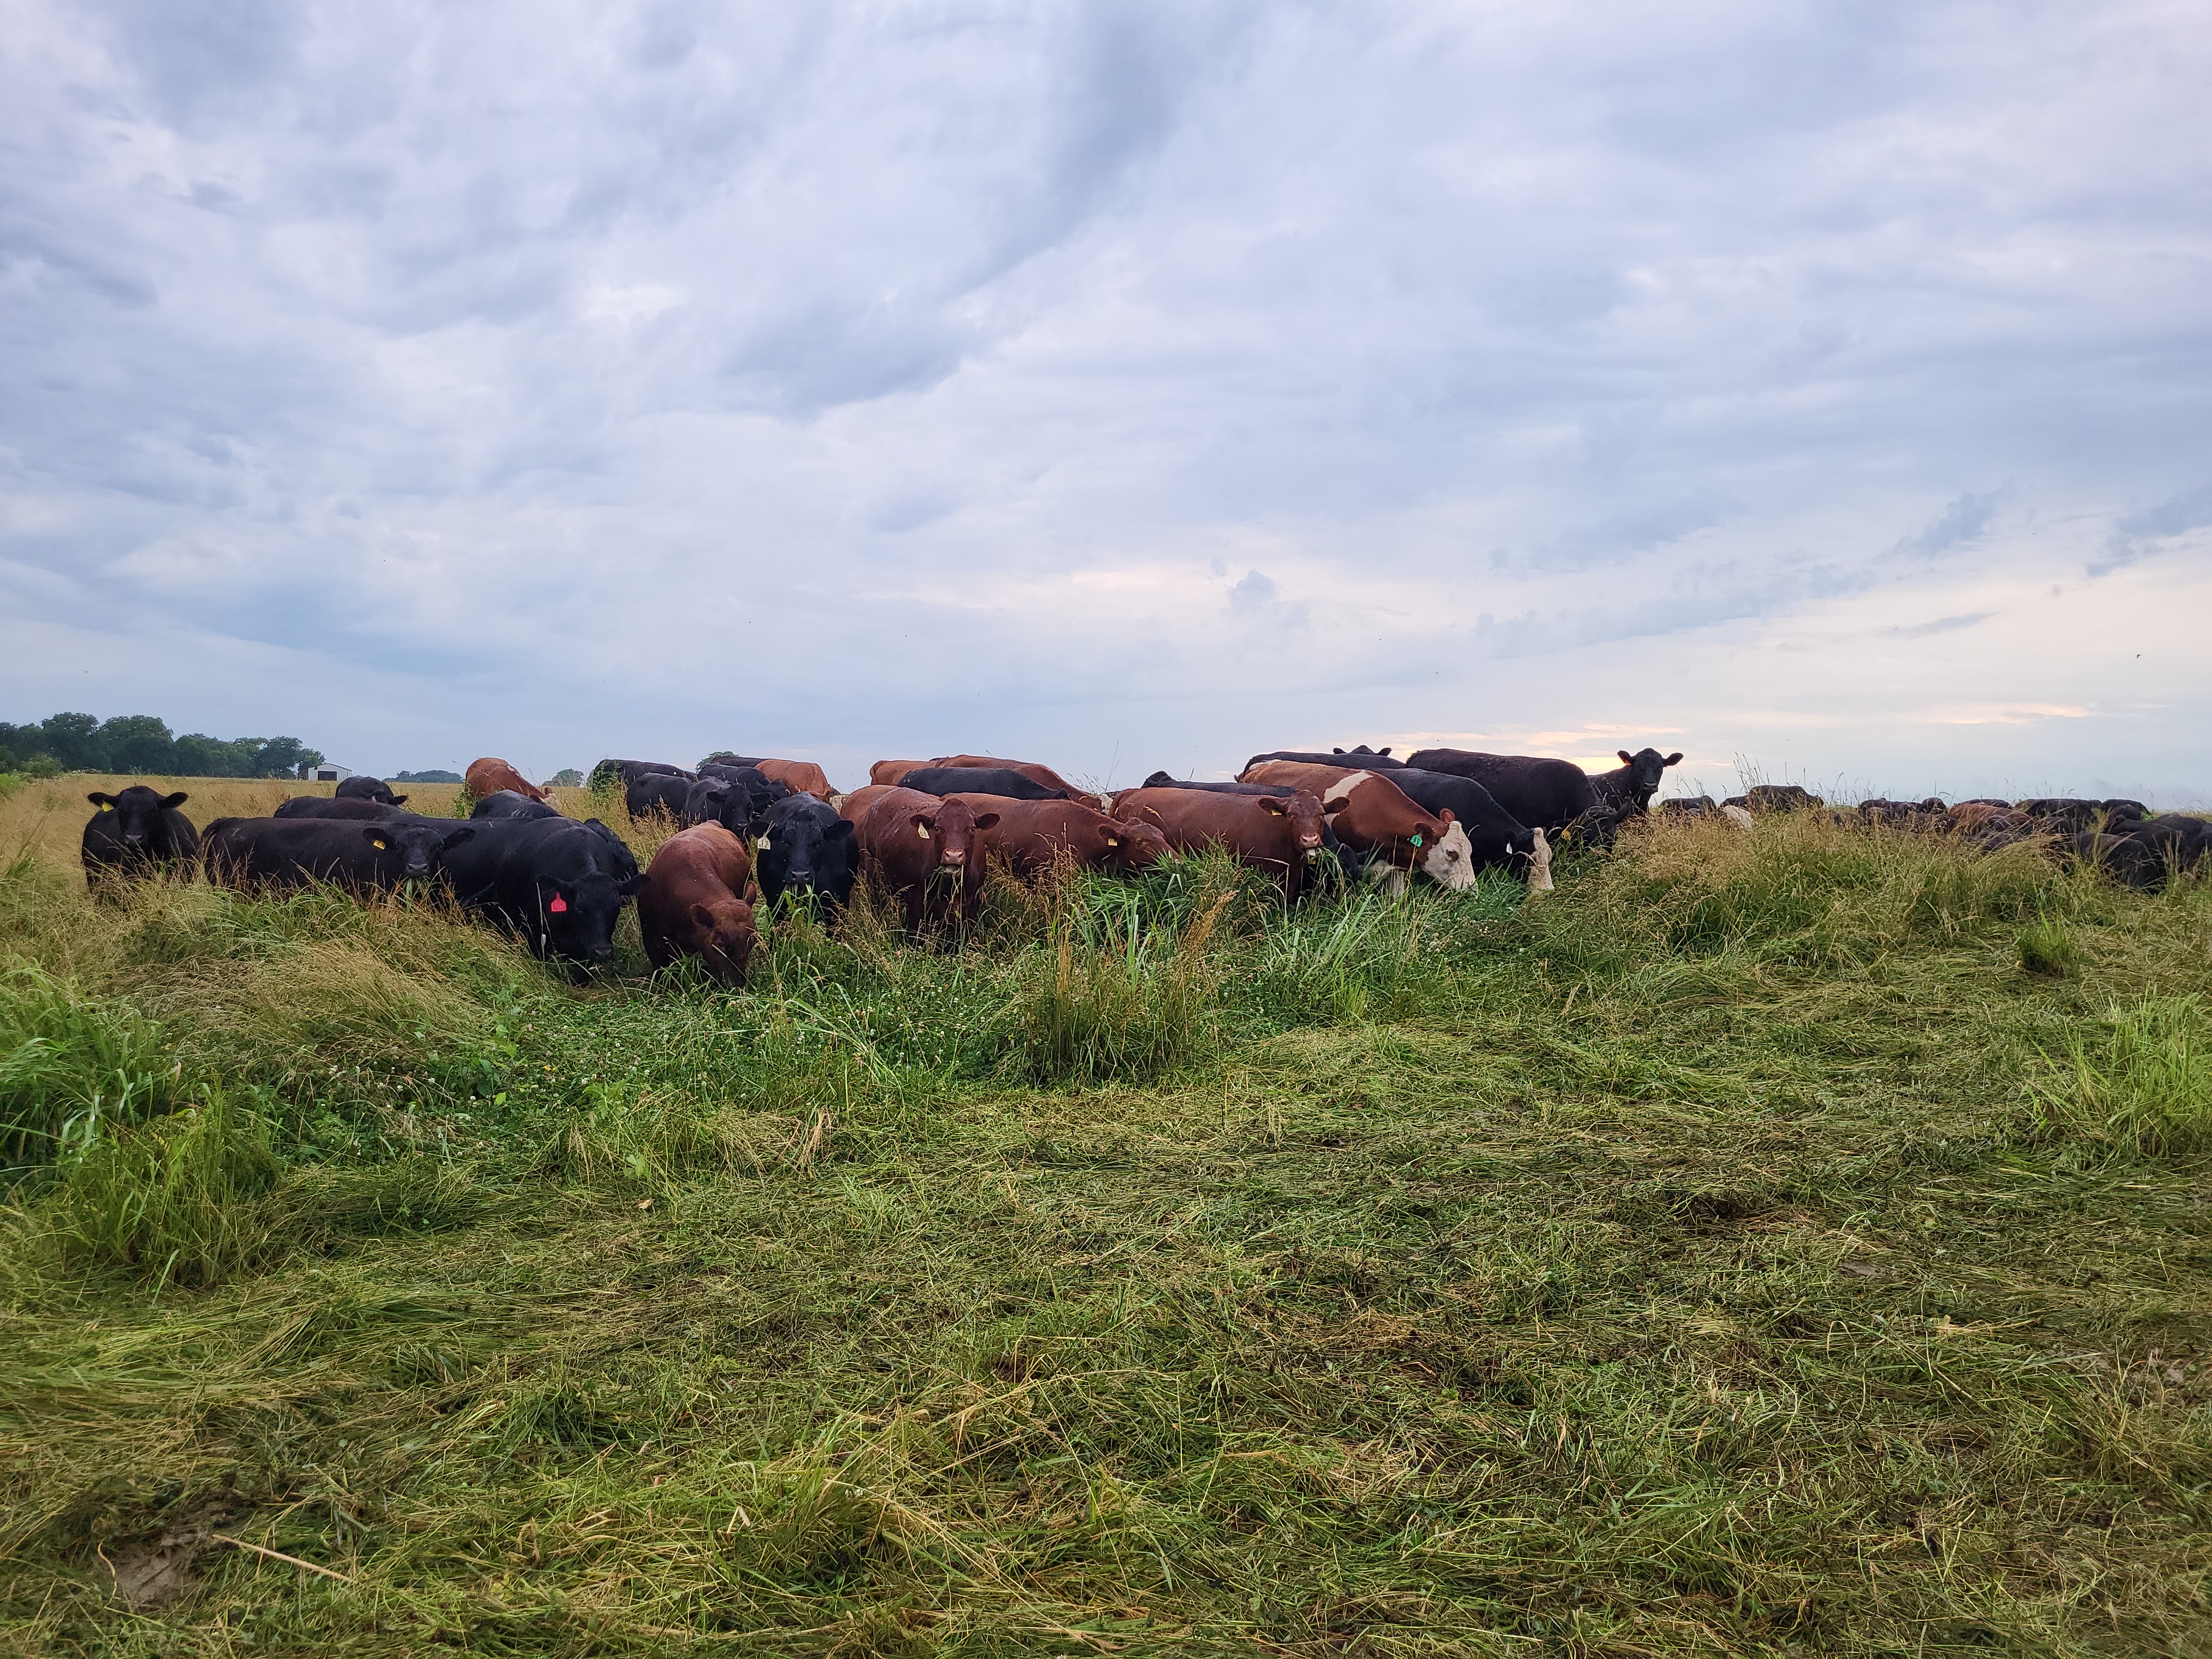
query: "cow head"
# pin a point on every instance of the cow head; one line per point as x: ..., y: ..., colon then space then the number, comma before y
x: 576, y: 918
x: 722, y: 933
x: 810, y: 846
x: 1304, y: 811
x: 1133, y: 846
x: 366, y: 788
x: 418, y: 849
x: 135, y: 813
x: 1442, y: 851
x: 1647, y: 770
x: 953, y: 826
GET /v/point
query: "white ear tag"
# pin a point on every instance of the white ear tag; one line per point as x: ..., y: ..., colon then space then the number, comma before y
x: 762, y: 843
x: 922, y: 830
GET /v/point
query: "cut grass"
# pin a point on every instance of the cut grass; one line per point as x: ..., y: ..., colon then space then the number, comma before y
x: 1736, y: 1252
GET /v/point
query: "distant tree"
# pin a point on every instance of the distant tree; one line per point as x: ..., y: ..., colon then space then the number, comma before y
x: 73, y: 740
x: 566, y: 778
x: 280, y: 757
x: 425, y: 777
x: 138, y: 743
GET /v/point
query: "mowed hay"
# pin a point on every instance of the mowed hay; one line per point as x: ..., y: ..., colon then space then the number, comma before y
x: 1744, y: 1249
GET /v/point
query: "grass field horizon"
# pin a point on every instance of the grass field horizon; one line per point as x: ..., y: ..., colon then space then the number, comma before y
x: 1790, y: 1241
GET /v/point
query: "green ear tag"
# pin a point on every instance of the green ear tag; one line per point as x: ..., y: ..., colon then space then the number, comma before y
x: 1417, y: 841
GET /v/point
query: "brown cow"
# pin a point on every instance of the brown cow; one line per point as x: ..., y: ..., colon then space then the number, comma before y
x: 1371, y: 814
x: 854, y: 807
x: 918, y: 847
x: 489, y: 776
x: 1035, y: 771
x: 1031, y: 836
x: 1279, y: 834
x: 890, y: 772
x: 800, y: 777
x: 694, y: 902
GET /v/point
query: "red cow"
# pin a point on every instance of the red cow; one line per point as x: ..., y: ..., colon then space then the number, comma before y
x: 918, y: 846
x: 1371, y: 814
x: 489, y: 776
x: 1031, y: 836
x: 800, y: 777
x: 694, y: 902
x: 1279, y: 834
x: 890, y: 772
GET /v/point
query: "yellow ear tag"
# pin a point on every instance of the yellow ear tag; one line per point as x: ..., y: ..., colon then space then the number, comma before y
x: 107, y: 806
x: 1110, y: 841
x: 379, y: 846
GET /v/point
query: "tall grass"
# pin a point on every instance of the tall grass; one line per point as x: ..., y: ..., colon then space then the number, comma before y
x: 2140, y: 1082
x: 72, y: 1066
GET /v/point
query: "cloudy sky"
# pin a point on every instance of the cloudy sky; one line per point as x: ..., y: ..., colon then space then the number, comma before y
x: 1824, y: 387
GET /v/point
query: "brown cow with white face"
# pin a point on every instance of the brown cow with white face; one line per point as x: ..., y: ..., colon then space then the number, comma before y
x: 1033, y: 836
x: 924, y: 849
x: 1279, y: 834
x: 1371, y: 814
x: 489, y: 776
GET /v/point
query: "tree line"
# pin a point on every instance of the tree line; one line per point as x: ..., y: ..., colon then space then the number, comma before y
x: 143, y: 743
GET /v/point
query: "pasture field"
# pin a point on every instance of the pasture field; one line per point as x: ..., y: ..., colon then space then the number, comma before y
x: 1790, y: 1242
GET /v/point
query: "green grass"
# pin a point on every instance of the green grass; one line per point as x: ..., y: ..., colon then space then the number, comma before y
x: 1734, y: 1252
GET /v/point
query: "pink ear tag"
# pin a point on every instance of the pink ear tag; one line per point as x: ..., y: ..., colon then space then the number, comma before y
x: 559, y: 906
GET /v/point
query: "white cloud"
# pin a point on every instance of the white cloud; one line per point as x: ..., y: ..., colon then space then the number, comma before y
x: 1166, y: 380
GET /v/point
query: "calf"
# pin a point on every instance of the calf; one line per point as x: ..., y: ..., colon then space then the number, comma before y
x: 489, y: 774
x: 1551, y: 795
x: 367, y: 858
x: 366, y: 788
x: 984, y: 781
x: 507, y: 804
x: 1280, y: 834
x: 1035, y: 835
x: 137, y: 831
x: 693, y: 902
x: 1629, y: 787
x: 1371, y: 814
x: 806, y: 847
x: 1035, y: 771
x: 922, y: 850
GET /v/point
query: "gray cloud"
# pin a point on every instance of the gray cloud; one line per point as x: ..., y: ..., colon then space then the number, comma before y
x: 912, y: 365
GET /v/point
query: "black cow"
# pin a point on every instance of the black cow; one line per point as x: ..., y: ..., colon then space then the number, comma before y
x: 658, y: 792
x: 1498, y: 839
x: 323, y: 806
x: 361, y: 789
x: 1162, y: 781
x: 377, y: 857
x: 138, y: 831
x: 806, y: 847
x: 634, y: 771
x: 981, y: 780
x: 1777, y: 798
x: 2076, y: 814
x: 1628, y: 788
x: 1551, y: 795
x: 558, y: 884
x: 513, y: 804
x: 737, y: 798
x: 1690, y: 806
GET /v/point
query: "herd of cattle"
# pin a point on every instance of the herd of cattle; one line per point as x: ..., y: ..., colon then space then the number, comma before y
x: 753, y: 831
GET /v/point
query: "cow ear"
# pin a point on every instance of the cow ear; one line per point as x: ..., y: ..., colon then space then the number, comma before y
x: 172, y: 802
x: 458, y: 836
x: 1674, y: 759
x: 374, y: 834
x: 1445, y: 817
x: 1274, y: 804
x: 634, y: 884
x: 842, y: 827
x: 400, y: 801
x: 703, y: 917
x: 98, y: 798
x: 987, y: 820
x: 1336, y: 806
x: 1627, y: 759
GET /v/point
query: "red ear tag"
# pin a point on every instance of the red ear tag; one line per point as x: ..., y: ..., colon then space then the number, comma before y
x: 559, y: 906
